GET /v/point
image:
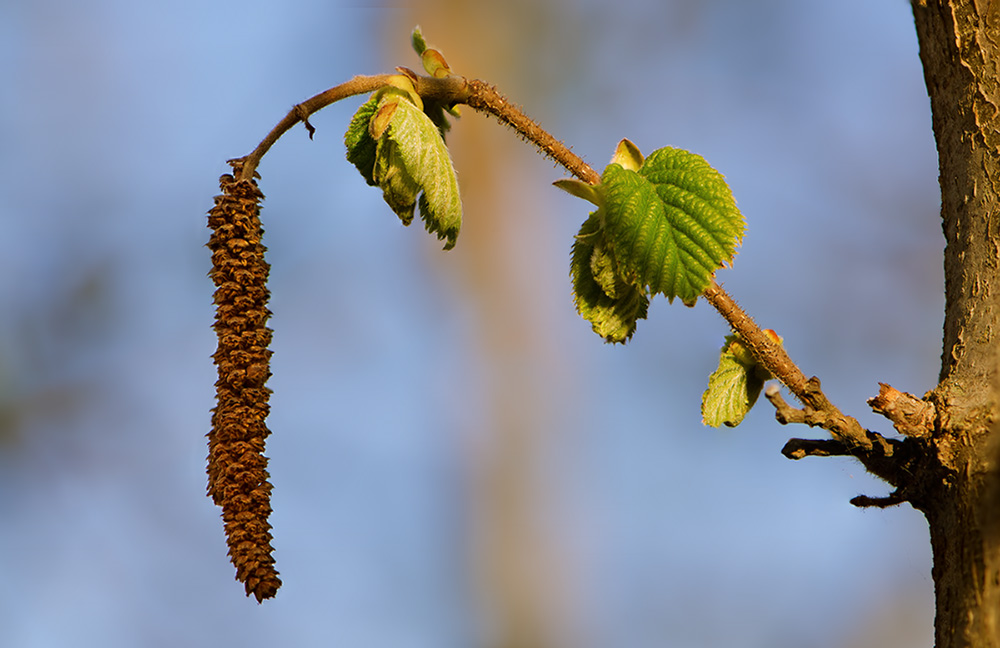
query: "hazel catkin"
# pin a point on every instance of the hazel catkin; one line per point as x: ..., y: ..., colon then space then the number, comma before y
x: 237, y: 468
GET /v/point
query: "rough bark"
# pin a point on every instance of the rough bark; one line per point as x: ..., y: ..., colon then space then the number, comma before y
x: 959, y: 489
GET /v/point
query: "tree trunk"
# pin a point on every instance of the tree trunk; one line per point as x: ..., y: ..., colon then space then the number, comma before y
x: 960, y: 491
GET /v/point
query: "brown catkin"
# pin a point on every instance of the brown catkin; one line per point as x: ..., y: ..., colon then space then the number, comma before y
x: 237, y: 467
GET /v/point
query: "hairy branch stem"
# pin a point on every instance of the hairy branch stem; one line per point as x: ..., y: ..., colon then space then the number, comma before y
x: 483, y: 97
x: 845, y: 429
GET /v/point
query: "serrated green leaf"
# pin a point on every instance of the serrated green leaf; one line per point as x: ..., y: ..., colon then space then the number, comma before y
x: 604, y: 271
x: 611, y: 305
x: 672, y: 223
x: 688, y: 185
x: 734, y: 387
x: 413, y: 146
x: 639, y: 233
x: 360, y: 144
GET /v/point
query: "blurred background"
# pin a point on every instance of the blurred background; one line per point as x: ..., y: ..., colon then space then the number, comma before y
x: 458, y: 461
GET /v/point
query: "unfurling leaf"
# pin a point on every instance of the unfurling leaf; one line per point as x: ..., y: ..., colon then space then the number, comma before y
x: 733, y: 388
x: 360, y: 144
x: 611, y: 305
x: 397, y: 147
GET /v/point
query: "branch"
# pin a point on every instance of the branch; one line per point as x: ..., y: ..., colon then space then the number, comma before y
x: 895, y: 498
x: 449, y: 90
x: 909, y: 415
x: 889, y: 459
x: 483, y: 97
x: 822, y: 412
x: 802, y: 448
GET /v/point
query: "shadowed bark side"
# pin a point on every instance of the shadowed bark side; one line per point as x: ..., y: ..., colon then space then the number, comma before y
x: 959, y: 47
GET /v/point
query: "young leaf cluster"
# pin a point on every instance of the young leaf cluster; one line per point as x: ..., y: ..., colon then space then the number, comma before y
x: 603, y: 297
x: 399, y: 147
x: 663, y: 225
x: 733, y: 388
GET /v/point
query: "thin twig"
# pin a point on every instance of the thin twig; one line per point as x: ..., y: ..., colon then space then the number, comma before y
x: 895, y: 498
x: 909, y: 415
x: 802, y: 448
x: 772, y: 356
x: 483, y: 97
x: 301, y: 112
x: 448, y: 90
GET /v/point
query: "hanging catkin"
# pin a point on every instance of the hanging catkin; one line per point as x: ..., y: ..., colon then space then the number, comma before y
x: 237, y: 467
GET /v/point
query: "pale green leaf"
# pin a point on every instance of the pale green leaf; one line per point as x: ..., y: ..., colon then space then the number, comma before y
x: 360, y: 144
x: 734, y: 387
x: 423, y: 153
x: 399, y: 188
x: 580, y: 189
x: 611, y: 305
x: 398, y: 148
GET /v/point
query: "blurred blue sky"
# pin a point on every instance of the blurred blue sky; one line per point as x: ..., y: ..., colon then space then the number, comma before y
x: 116, y: 121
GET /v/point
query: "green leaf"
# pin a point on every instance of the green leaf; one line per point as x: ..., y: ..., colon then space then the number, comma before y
x: 672, y: 223
x: 688, y: 185
x: 611, y: 305
x: 423, y: 154
x: 733, y: 388
x: 399, y: 188
x: 360, y: 144
x: 398, y: 148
